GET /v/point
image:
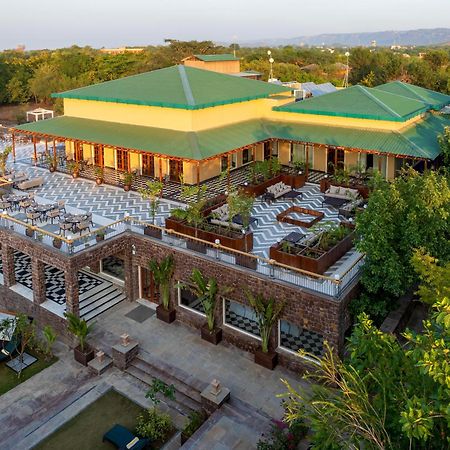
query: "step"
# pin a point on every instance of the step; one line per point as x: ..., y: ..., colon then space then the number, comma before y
x: 182, y: 403
x: 95, y: 290
x: 185, y: 389
x: 89, y: 316
x: 97, y: 300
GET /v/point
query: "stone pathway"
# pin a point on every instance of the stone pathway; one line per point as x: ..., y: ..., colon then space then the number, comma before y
x: 182, y: 348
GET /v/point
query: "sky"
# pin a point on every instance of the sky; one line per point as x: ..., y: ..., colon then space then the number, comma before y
x: 109, y: 23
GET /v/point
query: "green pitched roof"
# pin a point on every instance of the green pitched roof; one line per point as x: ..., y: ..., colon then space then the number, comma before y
x: 176, y: 87
x: 218, y: 57
x: 418, y: 140
x: 434, y: 100
x: 359, y: 102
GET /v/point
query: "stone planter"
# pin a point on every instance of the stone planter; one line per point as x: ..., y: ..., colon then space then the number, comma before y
x: 268, y: 360
x: 153, y: 232
x: 52, y: 169
x: 29, y: 232
x: 166, y: 315
x: 100, y: 237
x: 75, y: 175
x: 57, y: 243
x: 83, y: 357
x: 247, y: 261
x: 99, y: 181
x: 126, y: 187
x: 213, y: 337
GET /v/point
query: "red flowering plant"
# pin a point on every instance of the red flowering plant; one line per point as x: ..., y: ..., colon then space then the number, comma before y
x: 283, y: 436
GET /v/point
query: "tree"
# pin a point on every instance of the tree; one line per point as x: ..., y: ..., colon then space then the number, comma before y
x: 3, y: 159
x: 384, y: 395
x: 411, y: 212
x: 444, y: 144
x: 153, y: 193
x: 25, y: 333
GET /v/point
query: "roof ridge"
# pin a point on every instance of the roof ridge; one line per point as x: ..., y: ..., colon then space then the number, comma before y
x: 409, y: 88
x: 186, y: 86
x: 379, y: 102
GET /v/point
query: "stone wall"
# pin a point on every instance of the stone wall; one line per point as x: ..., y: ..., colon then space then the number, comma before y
x: 315, y: 312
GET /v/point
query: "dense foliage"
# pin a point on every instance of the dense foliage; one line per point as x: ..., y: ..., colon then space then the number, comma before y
x: 385, y: 395
x: 412, y: 211
x: 34, y: 75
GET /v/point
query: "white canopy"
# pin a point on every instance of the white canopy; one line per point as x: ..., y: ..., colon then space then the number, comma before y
x: 39, y: 114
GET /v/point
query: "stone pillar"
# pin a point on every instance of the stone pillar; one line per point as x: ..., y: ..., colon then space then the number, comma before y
x: 72, y: 298
x: 9, y: 277
x: 123, y: 354
x: 38, y: 277
x: 131, y: 277
x: 95, y: 266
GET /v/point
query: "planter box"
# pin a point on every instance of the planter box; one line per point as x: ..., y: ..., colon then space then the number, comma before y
x: 268, y: 360
x: 165, y: 315
x: 213, y: 338
x: 316, y: 265
x: 284, y: 216
x: 83, y: 357
x: 235, y: 243
x: 296, y: 181
x: 153, y: 232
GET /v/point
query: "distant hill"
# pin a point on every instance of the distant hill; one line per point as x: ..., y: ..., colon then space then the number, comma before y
x: 434, y: 36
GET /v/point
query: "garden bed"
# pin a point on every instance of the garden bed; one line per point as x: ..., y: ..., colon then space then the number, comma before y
x: 86, y: 430
x: 256, y: 190
x: 287, y: 216
x: 309, y: 258
x: 362, y: 189
x: 9, y: 379
x: 228, y: 238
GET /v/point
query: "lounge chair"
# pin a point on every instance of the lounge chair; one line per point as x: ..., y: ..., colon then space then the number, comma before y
x: 124, y: 439
x: 8, y: 348
x: 29, y: 184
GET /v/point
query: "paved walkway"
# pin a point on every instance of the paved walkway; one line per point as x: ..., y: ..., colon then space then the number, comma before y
x: 182, y: 348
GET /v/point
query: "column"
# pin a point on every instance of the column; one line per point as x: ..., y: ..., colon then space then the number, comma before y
x: 38, y: 277
x: 131, y: 277
x: 9, y: 277
x: 72, y: 295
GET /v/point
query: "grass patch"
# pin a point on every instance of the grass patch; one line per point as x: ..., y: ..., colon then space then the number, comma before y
x: 8, y: 378
x: 85, y: 431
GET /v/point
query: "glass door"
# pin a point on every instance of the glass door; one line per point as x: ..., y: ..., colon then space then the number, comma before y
x: 148, y: 165
x: 149, y: 289
x: 175, y: 169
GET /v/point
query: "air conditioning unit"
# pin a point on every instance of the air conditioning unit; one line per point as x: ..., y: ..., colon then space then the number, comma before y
x: 299, y: 94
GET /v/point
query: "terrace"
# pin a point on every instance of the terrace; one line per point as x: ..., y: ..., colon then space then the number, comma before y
x: 115, y: 212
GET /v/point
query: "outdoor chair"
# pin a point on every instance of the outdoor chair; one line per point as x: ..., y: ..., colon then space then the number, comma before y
x: 25, y: 204
x: 62, y: 205
x: 83, y: 226
x: 8, y: 348
x: 53, y: 214
x: 88, y: 218
x: 33, y: 216
x: 5, y: 205
x: 124, y: 439
x: 64, y: 226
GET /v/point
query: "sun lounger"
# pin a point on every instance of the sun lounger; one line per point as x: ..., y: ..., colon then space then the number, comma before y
x: 124, y: 439
x: 29, y: 184
x: 7, y: 349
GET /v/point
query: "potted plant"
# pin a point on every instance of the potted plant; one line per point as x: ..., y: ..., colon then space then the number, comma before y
x: 100, y: 235
x: 193, y: 214
x: 99, y: 173
x: 267, y: 312
x: 74, y: 168
x: 29, y: 231
x: 239, y: 203
x: 51, y: 163
x: 57, y: 243
x: 127, y: 180
x: 153, y: 193
x: 162, y: 274
x: 3, y: 158
x: 196, y: 420
x: 206, y: 291
x: 83, y: 352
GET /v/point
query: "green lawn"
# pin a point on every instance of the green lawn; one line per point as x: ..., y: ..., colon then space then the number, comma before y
x: 8, y: 378
x: 85, y: 431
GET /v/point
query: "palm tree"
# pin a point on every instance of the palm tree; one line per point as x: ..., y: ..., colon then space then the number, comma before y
x: 162, y: 274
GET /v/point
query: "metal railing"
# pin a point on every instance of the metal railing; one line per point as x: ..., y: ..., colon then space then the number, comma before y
x: 72, y: 244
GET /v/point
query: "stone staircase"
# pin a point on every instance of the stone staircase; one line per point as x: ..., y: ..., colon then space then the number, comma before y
x: 98, y: 300
x: 145, y: 367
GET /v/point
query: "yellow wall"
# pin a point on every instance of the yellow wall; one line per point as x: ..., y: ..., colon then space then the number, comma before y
x: 135, y: 163
x: 390, y: 170
x: 284, y: 152
x: 108, y: 157
x: 351, y: 159
x: 320, y: 158
x: 215, y: 66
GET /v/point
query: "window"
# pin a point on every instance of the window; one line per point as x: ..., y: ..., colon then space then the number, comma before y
x: 98, y: 155
x: 78, y: 151
x: 293, y: 338
x: 241, y: 317
x: 122, y: 159
x: 148, y: 165
x: 274, y: 152
x: 298, y: 153
x: 187, y: 299
x: 233, y: 160
x: 245, y: 156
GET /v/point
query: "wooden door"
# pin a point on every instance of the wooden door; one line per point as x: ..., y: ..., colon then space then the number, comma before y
x: 122, y: 159
x: 175, y: 170
x: 78, y: 151
x: 98, y: 155
x: 267, y: 150
x: 149, y: 289
x: 148, y: 165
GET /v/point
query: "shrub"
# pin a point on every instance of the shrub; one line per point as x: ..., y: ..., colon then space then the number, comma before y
x: 154, y: 425
x: 196, y: 419
x: 283, y: 436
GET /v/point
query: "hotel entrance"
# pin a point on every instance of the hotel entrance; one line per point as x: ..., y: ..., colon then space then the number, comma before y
x: 147, y: 288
